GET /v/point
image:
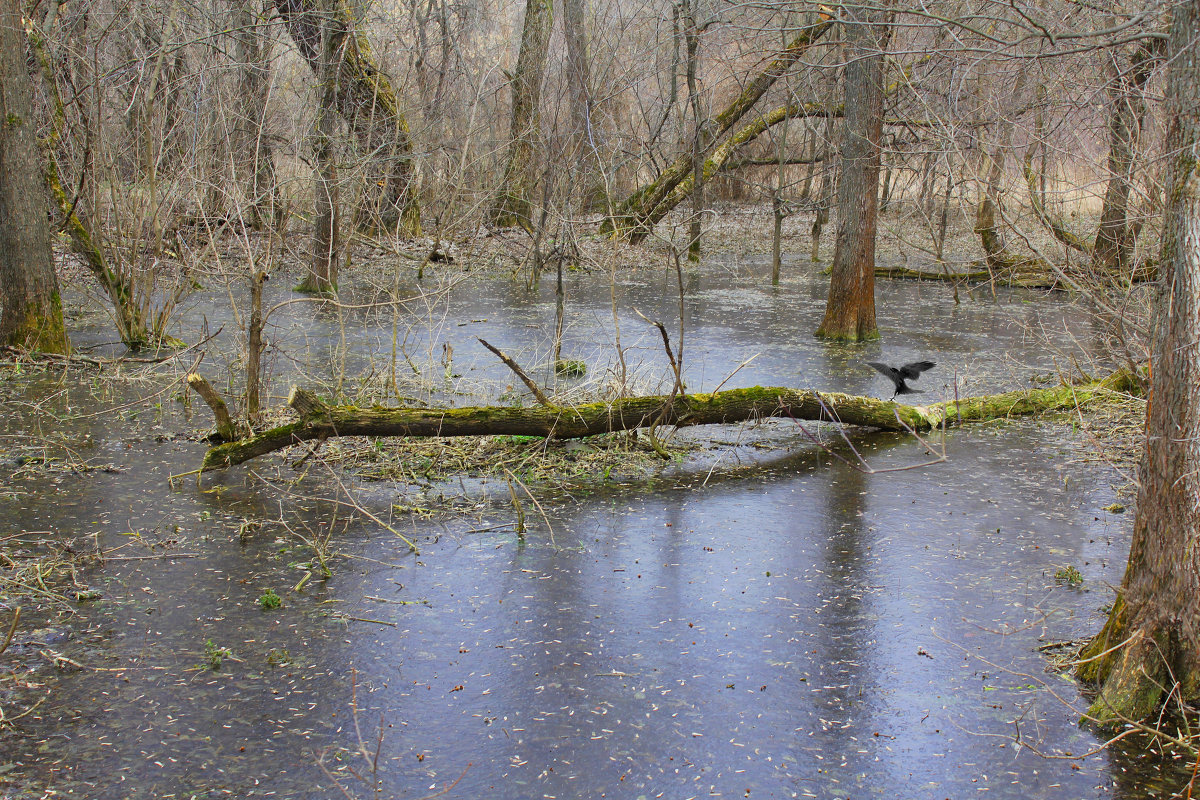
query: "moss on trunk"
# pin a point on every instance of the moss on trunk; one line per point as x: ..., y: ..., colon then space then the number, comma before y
x: 321, y: 421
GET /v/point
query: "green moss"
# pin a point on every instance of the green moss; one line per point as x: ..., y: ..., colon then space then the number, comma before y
x: 315, y: 287
x: 1068, y: 575
x: 570, y: 368
x: 1094, y: 667
x: 1134, y: 686
x: 856, y: 334
x: 43, y: 329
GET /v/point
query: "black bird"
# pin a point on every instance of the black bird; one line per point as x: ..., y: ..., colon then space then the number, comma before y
x: 898, y: 376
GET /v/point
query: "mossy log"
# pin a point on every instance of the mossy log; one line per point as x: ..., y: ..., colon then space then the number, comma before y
x: 321, y: 421
x: 1019, y: 277
x: 227, y: 429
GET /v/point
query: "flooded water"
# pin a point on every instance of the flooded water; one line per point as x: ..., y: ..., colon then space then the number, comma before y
x: 756, y: 619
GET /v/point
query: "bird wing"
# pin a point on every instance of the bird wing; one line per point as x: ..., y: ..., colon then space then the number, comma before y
x: 913, y: 371
x: 884, y: 369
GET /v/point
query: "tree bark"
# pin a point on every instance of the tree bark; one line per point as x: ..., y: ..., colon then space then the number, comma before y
x: 810, y: 146
x: 850, y: 310
x: 322, y: 275
x: 227, y: 429
x: 824, y: 200
x: 1127, y: 108
x: 30, y: 306
x: 254, y: 346
x: 254, y: 157
x: 319, y: 421
x: 992, y: 242
x: 1149, y: 649
x: 691, y: 40
x: 583, y: 107
x: 364, y: 97
x: 632, y: 217
x: 512, y: 205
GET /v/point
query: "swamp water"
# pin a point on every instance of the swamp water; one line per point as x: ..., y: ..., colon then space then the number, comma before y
x: 755, y: 619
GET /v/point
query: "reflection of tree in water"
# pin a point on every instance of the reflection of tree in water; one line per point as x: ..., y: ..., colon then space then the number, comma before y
x: 1141, y: 769
x: 842, y: 632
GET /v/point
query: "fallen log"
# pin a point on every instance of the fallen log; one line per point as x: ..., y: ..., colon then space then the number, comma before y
x: 1017, y: 277
x: 320, y: 421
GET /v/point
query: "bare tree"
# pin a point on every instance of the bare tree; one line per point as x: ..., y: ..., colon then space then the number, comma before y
x: 323, y: 267
x: 636, y: 215
x: 692, y: 29
x: 30, y: 306
x: 1149, y: 650
x: 1127, y: 109
x: 253, y: 153
x: 850, y: 310
x: 583, y: 106
x: 512, y: 204
x: 364, y: 97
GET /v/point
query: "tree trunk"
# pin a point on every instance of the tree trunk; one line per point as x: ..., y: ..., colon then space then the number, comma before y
x: 824, y: 204
x: 512, y: 205
x: 885, y: 196
x: 691, y: 39
x: 810, y: 147
x: 319, y: 421
x: 322, y: 275
x: 777, y: 229
x: 583, y: 107
x: 1127, y: 107
x: 364, y: 97
x: 254, y: 157
x: 30, y: 306
x: 632, y: 217
x: 1149, y: 650
x: 254, y: 346
x: 944, y: 216
x: 985, y: 217
x: 850, y: 310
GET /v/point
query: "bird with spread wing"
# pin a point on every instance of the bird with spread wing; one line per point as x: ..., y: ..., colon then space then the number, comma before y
x: 898, y: 375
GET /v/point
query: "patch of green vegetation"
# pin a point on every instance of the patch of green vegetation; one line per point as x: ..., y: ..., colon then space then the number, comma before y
x: 570, y: 368
x: 269, y: 600
x: 279, y: 657
x: 214, y: 655
x: 1068, y: 575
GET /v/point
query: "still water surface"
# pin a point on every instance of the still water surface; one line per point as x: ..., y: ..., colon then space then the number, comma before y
x: 759, y: 619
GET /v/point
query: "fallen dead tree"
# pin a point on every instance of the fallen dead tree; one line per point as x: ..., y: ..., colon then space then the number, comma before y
x: 318, y: 421
x: 1034, y: 278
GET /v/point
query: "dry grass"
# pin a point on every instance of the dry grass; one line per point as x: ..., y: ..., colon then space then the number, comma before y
x: 535, y: 461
